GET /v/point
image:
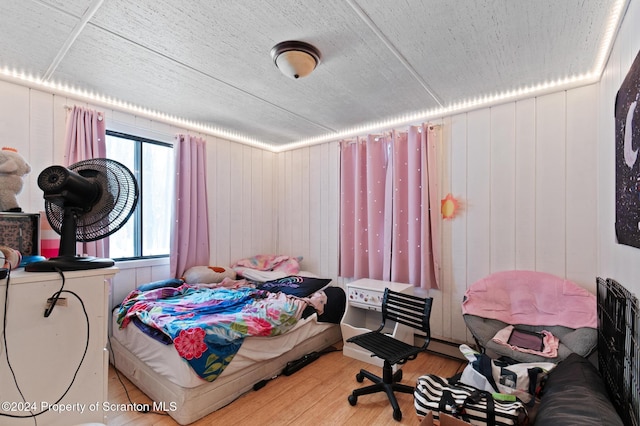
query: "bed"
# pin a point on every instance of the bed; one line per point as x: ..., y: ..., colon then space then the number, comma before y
x: 158, y: 370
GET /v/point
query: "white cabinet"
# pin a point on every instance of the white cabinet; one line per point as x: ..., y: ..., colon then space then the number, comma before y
x: 45, y: 352
x: 364, y: 313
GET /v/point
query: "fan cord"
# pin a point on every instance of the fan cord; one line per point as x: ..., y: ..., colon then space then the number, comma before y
x: 4, y: 342
x: 126, y: 391
x: 55, y: 296
x: 53, y: 300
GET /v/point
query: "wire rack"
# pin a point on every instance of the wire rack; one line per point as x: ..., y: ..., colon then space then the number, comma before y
x: 618, y: 351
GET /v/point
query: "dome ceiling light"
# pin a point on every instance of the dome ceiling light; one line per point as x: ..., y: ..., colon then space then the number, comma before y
x: 295, y: 59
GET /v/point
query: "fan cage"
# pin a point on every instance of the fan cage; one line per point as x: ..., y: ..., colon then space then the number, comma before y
x: 117, y: 201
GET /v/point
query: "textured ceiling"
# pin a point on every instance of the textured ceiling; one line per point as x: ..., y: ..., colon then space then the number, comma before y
x: 208, y: 61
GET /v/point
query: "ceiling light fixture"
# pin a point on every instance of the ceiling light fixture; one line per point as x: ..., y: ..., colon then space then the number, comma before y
x: 295, y: 59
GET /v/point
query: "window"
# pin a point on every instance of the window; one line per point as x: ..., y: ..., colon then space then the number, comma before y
x: 148, y: 231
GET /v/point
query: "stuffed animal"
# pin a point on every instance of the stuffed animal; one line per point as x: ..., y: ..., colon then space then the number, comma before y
x: 208, y: 274
x: 12, y: 168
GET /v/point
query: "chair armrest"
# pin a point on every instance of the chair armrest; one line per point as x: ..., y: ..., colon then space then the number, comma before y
x: 582, y: 341
x: 483, y: 329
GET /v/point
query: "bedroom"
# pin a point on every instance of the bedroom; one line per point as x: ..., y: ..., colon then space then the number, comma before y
x: 553, y: 214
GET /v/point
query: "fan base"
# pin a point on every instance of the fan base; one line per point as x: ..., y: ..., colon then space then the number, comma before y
x: 69, y: 263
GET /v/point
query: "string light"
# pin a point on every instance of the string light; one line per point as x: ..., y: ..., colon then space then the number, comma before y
x: 485, y: 100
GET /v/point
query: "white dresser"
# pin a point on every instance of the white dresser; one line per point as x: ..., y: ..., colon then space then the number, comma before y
x: 364, y: 313
x: 45, y: 352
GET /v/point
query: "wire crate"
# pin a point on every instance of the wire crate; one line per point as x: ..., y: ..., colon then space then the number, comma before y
x: 618, y: 357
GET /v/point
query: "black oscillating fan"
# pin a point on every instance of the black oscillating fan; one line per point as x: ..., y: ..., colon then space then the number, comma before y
x: 87, y: 201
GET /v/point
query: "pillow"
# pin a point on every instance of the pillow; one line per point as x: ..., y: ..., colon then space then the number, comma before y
x: 295, y: 285
x: 173, y: 282
x: 208, y: 274
x: 258, y: 276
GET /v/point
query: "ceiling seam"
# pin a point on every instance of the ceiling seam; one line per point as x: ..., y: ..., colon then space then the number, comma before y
x: 197, y: 71
x: 82, y: 23
x: 378, y: 32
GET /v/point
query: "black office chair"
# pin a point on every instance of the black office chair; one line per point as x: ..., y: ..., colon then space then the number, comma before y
x: 404, y: 309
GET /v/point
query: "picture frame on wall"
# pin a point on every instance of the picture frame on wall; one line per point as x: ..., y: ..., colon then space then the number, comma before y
x: 627, y: 150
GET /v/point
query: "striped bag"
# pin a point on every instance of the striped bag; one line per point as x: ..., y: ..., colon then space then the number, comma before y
x: 465, y: 402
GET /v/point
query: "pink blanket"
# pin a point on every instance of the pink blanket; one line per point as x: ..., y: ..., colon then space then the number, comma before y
x: 550, y: 343
x: 532, y: 298
x: 269, y: 262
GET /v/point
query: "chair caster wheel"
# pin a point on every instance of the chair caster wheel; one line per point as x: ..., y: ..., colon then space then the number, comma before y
x: 353, y: 400
x: 397, y: 415
x: 360, y: 378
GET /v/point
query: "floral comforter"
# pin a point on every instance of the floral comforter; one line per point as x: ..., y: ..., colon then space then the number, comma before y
x: 208, y: 325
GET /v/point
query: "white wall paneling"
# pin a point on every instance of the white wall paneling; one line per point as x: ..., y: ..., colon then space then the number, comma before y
x: 551, y: 183
x: 454, y: 288
x: 319, y: 187
x: 615, y: 261
x: 133, y: 274
x: 236, y: 185
x: 308, y: 206
x: 14, y: 129
x: 525, y: 184
x: 240, y: 180
x: 503, y: 188
x: 534, y: 178
x: 439, y: 320
x: 524, y: 173
x: 14, y: 116
x: 329, y: 169
x: 478, y: 213
x: 40, y: 152
x: 219, y: 199
x: 246, y: 202
x: 581, y: 186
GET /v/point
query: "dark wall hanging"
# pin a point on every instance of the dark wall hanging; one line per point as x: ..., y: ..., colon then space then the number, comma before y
x: 627, y: 122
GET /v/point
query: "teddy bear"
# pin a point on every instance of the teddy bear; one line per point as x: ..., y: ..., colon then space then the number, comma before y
x: 12, y: 168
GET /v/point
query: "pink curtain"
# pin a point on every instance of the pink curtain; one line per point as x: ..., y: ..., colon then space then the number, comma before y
x: 388, y: 185
x: 365, y: 210
x: 85, y: 139
x: 190, y: 233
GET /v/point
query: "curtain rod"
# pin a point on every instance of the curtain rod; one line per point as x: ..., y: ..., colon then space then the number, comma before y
x: 100, y: 113
x: 431, y: 126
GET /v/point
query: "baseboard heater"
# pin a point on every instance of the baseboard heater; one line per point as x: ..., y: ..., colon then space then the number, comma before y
x: 442, y: 347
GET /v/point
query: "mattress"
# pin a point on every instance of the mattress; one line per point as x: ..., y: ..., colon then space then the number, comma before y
x: 158, y: 371
x: 165, y: 361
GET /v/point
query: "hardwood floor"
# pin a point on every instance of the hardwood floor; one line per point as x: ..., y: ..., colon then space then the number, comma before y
x: 314, y: 395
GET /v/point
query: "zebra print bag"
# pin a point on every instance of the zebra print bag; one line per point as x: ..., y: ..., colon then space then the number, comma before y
x: 465, y: 402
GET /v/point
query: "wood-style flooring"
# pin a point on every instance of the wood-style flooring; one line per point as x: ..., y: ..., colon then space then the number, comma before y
x: 315, y: 395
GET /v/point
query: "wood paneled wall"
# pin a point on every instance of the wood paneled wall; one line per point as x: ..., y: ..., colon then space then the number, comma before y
x: 616, y: 261
x: 535, y: 180
x: 242, y: 198
x: 525, y: 174
x: 308, y: 182
x: 241, y: 180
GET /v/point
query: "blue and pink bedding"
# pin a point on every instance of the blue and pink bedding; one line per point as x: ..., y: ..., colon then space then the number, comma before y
x: 208, y: 325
